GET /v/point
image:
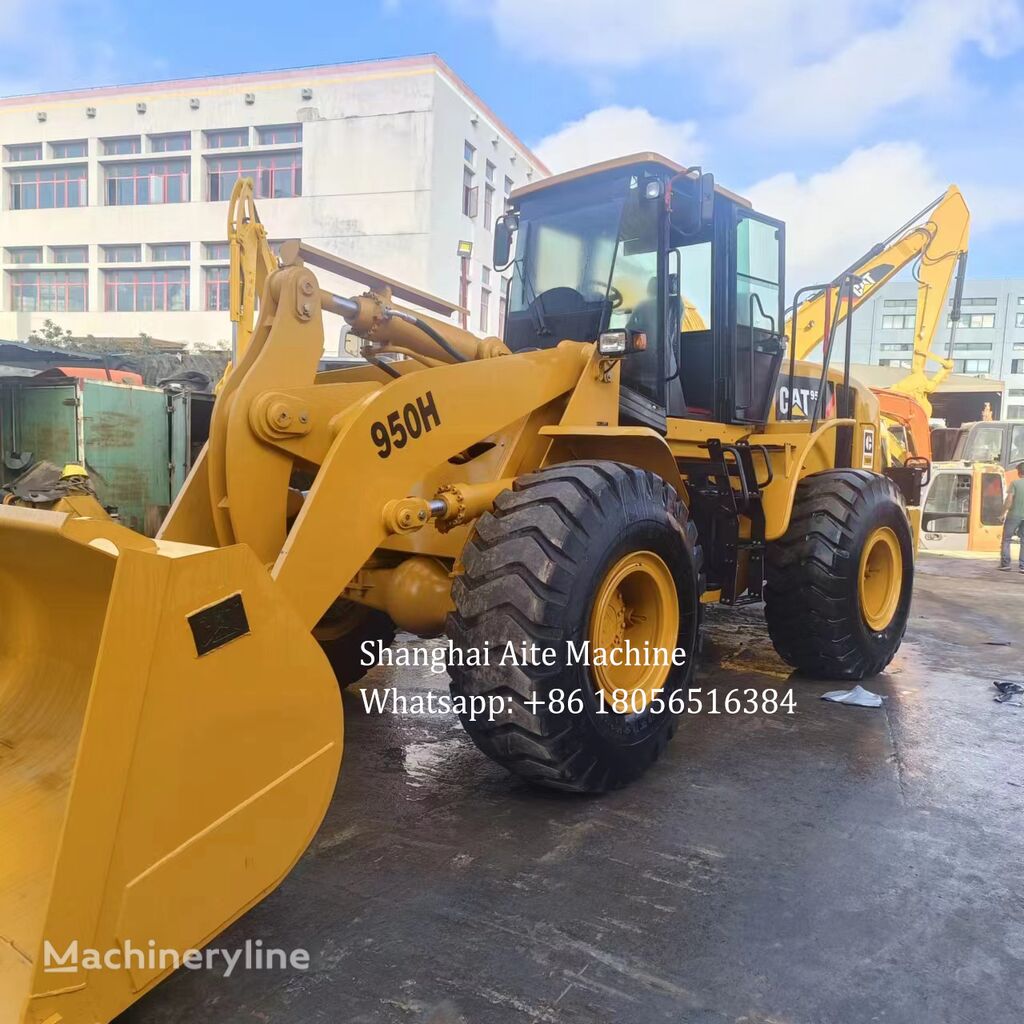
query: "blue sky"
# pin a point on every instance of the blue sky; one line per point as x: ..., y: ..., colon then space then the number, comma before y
x: 844, y: 118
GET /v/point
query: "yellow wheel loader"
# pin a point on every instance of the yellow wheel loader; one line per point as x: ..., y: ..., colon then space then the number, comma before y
x: 170, y: 716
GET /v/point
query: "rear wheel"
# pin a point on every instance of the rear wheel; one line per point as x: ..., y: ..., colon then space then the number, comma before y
x: 344, y: 630
x: 587, y: 556
x: 839, y: 581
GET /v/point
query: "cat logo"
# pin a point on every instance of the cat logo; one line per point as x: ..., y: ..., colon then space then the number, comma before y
x: 871, y: 278
x: 868, y: 449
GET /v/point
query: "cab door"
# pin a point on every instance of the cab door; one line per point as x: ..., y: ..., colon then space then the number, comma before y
x: 758, y: 262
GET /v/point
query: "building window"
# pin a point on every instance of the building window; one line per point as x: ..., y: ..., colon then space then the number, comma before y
x: 469, y: 154
x: 485, y: 308
x: 142, y: 291
x: 227, y: 138
x: 469, y: 192
x: 1016, y: 393
x: 122, y: 254
x: 488, y: 206
x: 216, y: 282
x: 25, y: 254
x: 53, y: 188
x: 277, y: 175
x: 69, y: 150
x: 502, y: 305
x: 976, y: 302
x: 70, y: 253
x: 972, y: 365
x: 904, y: 363
x: 974, y: 320
x: 1019, y: 320
x: 508, y: 186
x: 279, y: 135
x: 170, y: 252
x: 28, y: 151
x: 217, y: 250
x: 898, y: 321
x: 126, y: 145
x: 1017, y: 366
x: 893, y: 347
x: 489, y: 171
x: 1015, y: 412
x: 973, y: 346
x: 142, y: 184
x: 48, y: 291
x: 171, y: 142
x: 900, y: 303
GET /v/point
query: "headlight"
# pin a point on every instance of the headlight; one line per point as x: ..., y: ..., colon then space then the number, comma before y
x: 612, y: 343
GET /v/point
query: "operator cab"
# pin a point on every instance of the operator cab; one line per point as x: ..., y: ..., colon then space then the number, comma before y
x: 687, y: 277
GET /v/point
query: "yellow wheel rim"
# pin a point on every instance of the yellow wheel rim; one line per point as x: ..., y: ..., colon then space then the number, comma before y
x: 636, y: 612
x: 881, y: 578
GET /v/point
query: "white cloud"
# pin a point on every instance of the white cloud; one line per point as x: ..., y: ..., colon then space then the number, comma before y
x: 62, y: 44
x: 604, y: 34
x: 835, y: 216
x: 914, y: 59
x: 794, y: 68
x: 615, y: 131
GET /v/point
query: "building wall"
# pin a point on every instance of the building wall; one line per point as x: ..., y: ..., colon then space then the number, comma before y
x: 991, y: 345
x: 382, y: 156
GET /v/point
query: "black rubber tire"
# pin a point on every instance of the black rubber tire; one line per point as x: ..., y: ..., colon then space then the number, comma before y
x: 531, y: 573
x: 812, y: 604
x: 344, y: 652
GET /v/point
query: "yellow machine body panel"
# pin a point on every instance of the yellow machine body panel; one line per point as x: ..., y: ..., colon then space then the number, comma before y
x: 170, y: 740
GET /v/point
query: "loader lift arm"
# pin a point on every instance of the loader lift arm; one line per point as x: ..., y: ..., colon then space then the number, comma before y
x: 935, y: 241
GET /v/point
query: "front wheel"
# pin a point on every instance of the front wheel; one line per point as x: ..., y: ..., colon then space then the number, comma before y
x: 839, y: 581
x: 590, y: 557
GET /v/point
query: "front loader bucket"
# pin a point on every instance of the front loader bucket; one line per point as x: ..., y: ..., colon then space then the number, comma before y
x: 170, y: 737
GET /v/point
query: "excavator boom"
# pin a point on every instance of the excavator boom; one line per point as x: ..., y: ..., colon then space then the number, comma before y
x: 935, y: 243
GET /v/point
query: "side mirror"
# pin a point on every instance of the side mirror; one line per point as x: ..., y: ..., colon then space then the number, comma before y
x: 707, y: 199
x: 692, y: 211
x: 504, y: 232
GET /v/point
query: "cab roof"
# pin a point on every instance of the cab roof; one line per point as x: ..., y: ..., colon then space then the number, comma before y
x: 610, y: 165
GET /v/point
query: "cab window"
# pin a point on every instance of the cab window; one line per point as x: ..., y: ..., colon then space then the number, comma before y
x: 991, y: 499
x: 984, y: 445
x: 948, y: 505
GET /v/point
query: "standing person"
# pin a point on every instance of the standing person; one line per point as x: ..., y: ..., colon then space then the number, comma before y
x: 1013, y: 521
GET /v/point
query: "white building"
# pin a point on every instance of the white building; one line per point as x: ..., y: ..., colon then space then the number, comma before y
x: 113, y: 205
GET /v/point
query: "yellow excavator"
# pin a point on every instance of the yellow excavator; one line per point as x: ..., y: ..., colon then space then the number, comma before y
x: 935, y: 242
x: 560, y: 503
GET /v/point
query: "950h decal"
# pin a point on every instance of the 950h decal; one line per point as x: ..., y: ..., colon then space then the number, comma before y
x: 403, y: 425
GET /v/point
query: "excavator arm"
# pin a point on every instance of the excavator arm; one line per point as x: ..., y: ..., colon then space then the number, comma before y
x: 935, y: 242
x: 252, y: 262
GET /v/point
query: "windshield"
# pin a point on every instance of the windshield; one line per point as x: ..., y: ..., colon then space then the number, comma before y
x: 985, y: 444
x: 566, y: 249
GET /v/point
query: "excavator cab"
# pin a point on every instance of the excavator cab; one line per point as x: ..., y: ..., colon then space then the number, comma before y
x: 651, y: 259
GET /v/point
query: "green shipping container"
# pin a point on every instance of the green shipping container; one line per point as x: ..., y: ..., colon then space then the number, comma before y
x: 120, y: 432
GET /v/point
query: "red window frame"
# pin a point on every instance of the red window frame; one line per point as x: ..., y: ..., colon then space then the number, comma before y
x: 59, y: 179
x: 22, y: 254
x: 291, y: 135
x: 165, y: 143
x: 170, y: 252
x: 266, y: 170
x: 79, y: 148
x: 60, y: 284
x: 61, y: 252
x: 123, y: 145
x: 144, y: 172
x: 156, y: 283
x: 215, y: 287
x: 23, y: 152
x: 226, y: 138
